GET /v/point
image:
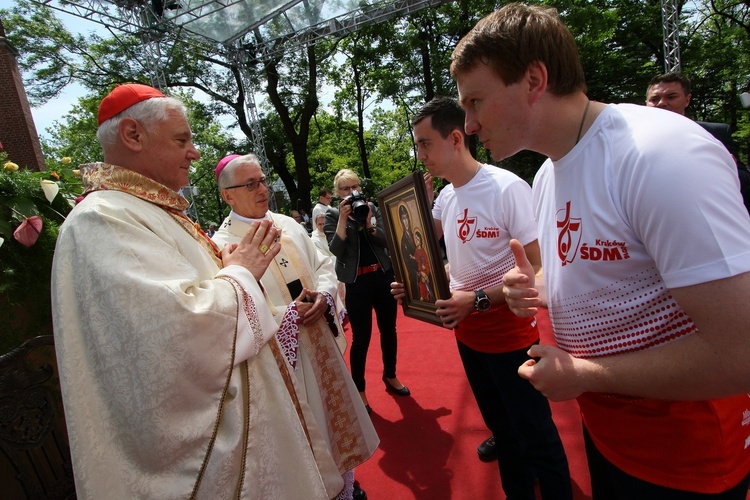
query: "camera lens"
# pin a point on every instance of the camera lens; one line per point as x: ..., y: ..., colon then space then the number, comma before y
x: 360, y: 208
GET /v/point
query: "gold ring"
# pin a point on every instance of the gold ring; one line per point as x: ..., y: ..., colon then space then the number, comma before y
x: 263, y: 248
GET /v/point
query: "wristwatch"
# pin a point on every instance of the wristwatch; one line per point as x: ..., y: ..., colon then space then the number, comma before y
x: 482, y: 301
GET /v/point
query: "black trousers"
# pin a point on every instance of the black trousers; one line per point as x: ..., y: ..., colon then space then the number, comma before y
x: 519, y: 416
x: 371, y: 290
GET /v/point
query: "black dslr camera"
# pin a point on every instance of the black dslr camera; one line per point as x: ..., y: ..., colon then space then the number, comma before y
x: 359, y: 205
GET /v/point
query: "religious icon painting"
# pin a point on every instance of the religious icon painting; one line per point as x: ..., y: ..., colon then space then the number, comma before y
x: 417, y: 258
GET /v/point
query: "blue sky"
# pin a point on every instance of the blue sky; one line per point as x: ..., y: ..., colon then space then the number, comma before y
x: 44, y: 116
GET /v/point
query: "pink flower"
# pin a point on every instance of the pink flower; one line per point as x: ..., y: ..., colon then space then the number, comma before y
x: 28, y: 232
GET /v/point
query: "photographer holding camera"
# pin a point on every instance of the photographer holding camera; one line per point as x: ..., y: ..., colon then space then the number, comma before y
x: 355, y: 236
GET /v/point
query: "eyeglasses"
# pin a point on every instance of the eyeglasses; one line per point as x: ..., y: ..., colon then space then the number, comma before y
x: 251, y: 186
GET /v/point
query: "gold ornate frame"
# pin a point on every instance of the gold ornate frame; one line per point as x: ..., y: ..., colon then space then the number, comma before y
x: 410, y: 192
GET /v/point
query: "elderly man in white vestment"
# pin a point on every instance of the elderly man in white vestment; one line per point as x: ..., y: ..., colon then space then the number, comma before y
x: 300, y: 283
x: 173, y: 381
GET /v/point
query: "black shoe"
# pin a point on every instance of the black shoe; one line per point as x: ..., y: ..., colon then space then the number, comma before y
x: 487, y: 451
x: 359, y: 493
x: 404, y: 391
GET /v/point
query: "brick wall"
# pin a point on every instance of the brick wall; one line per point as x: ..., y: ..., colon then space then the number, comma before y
x: 17, y: 131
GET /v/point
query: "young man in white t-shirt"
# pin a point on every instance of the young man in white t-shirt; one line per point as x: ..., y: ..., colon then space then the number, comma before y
x: 479, y: 212
x: 646, y: 253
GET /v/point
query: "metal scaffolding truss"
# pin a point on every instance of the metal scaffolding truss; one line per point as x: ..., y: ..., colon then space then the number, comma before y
x: 240, y: 30
x: 125, y: 17
x: 671, y: 35
x: 131, y: 18
x: 285, y: 31
x: 278, y: 26
x: 282, y: 26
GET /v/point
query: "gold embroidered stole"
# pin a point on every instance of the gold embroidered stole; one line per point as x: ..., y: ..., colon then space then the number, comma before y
x: 104, y: 177
x: 348, y: 444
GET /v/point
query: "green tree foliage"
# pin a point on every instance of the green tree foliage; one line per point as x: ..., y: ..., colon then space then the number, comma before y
x: 293, y: 91
x: 392, y: 153
x: 355, y: 89
x: 718, y: 64
x: 54, y: 49
x: 395, y: 65
x: 333, y: 146
x: 620, y: 45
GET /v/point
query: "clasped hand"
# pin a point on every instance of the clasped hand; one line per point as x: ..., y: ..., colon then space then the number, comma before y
x: 310, y: 305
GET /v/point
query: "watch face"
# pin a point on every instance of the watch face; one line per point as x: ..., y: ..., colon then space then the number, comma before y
x: 482, y: 302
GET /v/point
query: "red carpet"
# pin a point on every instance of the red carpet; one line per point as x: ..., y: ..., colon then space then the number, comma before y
x: 428, y: 441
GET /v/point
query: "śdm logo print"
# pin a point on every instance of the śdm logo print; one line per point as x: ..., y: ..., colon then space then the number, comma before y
x: 569, y: 235
x: 569, y: 240
x: 466, y: 226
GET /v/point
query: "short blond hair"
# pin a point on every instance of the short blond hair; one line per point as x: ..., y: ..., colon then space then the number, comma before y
x: 344, y: 175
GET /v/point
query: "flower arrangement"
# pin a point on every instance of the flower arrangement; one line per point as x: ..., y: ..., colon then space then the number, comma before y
x: 32, y: 207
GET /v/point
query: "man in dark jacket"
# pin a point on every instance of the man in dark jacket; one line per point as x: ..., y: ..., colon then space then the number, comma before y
x: 672, y: 91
